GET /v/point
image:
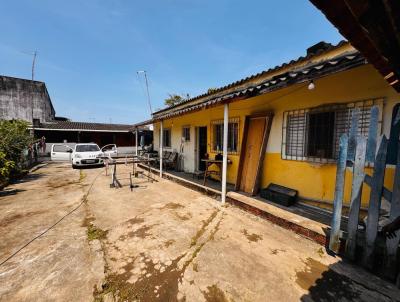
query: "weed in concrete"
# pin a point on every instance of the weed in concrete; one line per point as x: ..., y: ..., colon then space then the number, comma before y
x: 94, y: 233
x: 251, y: 237
x: 214, y: 294
x: 82, y: 176
x: 201, y: 231
x: 195, y: 267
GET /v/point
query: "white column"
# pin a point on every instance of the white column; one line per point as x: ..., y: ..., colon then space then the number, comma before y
x: 225, y: 153
x: 136, y: 141
x: 161, y: 147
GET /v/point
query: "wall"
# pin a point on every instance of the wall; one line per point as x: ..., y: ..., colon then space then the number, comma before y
x: 17, y: 97
x: 314, y: 181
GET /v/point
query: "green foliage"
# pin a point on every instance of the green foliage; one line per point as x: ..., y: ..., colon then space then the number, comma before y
x: 5, y: 167
x: 174, y: 99
x: 15, y: 139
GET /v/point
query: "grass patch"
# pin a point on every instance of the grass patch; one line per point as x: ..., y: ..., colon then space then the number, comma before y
x: 82, y: 176
x: 94, y: 233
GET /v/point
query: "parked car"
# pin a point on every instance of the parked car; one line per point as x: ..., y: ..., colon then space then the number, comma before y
x: 82, y: 155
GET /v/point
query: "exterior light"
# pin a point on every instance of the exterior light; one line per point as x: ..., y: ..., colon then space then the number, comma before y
x: 311, y: 86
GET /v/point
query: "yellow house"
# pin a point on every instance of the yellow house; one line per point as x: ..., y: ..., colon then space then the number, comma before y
x: 284, y: 123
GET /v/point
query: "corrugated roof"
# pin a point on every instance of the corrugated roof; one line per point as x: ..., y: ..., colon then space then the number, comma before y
x: 260, y: 74
x: 296, y: 75
x: 84, y: 126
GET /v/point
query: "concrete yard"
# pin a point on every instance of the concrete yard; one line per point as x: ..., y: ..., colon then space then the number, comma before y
x: 84, y: 241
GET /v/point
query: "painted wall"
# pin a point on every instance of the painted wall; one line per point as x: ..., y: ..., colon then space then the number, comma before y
x: 314, y: 181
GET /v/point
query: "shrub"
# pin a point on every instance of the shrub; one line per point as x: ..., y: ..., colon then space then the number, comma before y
x: 15, y: 138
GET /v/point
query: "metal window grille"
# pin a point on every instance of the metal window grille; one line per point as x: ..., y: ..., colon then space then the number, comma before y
x: 186, y: 133
x: 167, y: 138
x: 312, y: 134
x: 218, y: 133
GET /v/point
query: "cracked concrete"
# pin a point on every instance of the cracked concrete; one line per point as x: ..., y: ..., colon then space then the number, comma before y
x: 161, y: 242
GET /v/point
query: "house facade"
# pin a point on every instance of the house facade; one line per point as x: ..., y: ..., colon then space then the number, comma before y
x: 284, y: 123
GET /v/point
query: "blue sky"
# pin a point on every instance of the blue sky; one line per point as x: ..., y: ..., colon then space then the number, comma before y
x: 89, y: 51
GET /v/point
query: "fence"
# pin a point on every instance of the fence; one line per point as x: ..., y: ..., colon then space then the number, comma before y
x: 366, y: 245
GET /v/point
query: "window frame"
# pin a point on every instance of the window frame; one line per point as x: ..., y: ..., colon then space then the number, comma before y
x: 165, y: 136
x: 298, y: 146
x: 186, y: 136
x: 220, y: 123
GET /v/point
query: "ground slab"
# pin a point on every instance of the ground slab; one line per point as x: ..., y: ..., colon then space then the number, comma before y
x: 158, y: 242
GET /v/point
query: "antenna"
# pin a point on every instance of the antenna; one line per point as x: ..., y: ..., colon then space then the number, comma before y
x: 33, y: 64
x: 147, y: 88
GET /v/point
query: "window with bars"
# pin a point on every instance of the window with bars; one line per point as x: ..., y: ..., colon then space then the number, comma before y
x: 186, y: 133
x: 218, y: 135
x: 167, y: 138
x: 313, y: 134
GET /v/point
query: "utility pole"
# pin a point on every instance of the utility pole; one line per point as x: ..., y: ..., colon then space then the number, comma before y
x: 147, y: 88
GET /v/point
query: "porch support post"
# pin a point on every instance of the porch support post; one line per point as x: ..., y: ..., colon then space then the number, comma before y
x: 161, y: 147
x: 225, y: 152
x: 136, y: 141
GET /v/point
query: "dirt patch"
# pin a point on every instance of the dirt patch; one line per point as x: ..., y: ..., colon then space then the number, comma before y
x: 87, y: 221
x: 15, y: 217
x: 135, y: 220
x: 141, y: 232
x: 172, y: 206
x: 183, y: 217
x: 277, y: 251
x: 214, y: 294
x: 57, y: 182
x: 324, y: 284
x: 312, y: 271
x: 169, y: 242
x: 251, y: 237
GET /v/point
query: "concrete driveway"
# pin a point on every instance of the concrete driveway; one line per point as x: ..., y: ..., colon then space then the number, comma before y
x: 84, y: 241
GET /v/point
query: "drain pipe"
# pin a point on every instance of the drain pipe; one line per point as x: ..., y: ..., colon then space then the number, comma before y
x: 225, y: 152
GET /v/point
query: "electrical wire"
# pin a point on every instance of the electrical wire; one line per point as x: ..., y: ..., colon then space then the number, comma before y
x: 53, y: 225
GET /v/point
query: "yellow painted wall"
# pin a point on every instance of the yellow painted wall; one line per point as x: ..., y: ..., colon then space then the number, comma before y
x: 314, y: 181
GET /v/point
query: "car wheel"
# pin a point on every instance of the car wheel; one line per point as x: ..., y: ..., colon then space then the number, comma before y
x: 74, y: 167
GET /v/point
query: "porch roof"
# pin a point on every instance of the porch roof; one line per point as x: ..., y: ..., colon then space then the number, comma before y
x: 373, y: 27
x: 302, y: 74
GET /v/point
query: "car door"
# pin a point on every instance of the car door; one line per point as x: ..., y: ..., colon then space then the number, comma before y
x: 110, y: 150
x: 61, y: 152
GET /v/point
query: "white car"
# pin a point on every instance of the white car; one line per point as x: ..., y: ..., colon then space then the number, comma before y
x: 82, y: 155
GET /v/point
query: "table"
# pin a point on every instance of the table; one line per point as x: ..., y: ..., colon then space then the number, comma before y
x: 209, y: 163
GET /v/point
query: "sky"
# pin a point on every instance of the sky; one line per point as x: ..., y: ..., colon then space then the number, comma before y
x: 89, y: 51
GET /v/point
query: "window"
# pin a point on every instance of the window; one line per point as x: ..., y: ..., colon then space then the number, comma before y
x: 233, y: 135
x: 313, y: 134
x: 167, y: 138
x: 186, y: 133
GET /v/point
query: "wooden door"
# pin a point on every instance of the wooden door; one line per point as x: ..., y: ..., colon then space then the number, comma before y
x: 251, y: 156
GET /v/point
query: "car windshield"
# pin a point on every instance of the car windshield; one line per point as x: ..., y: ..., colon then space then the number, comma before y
x: 87, y: 148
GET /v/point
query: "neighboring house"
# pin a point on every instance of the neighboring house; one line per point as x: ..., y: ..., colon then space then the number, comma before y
x: 280, y: 131
x: 26, y: 100
x: 80, y: 132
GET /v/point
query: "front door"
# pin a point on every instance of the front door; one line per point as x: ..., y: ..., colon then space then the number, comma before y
x: 252, y: 149
x: 202, y: 147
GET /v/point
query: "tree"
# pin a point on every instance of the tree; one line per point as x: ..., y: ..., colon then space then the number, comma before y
x: 15, y: 139
x: 174, y: 99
